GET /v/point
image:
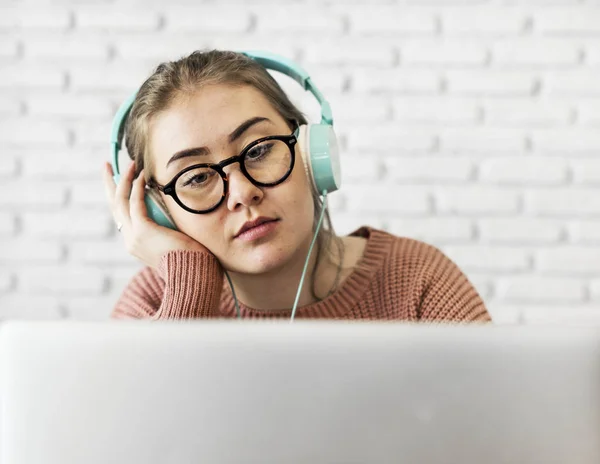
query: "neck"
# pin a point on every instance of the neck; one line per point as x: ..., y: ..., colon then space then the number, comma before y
x: 276, y: 290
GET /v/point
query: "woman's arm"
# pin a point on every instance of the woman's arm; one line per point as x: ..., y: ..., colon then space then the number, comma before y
x: 448, y: 295
x: 187, y: 285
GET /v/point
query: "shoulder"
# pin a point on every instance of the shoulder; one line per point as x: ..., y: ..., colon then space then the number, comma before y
x: 393, y: 249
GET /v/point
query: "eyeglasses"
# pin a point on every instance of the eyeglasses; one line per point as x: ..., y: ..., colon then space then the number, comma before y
x: 202, y: 188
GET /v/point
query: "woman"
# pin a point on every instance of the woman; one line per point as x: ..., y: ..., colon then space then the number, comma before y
x: 256, y: 224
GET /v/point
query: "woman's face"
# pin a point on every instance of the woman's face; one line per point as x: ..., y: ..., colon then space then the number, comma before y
x: 209, y: 118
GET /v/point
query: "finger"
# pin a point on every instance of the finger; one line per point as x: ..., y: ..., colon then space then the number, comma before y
x: 122, y: 194
x: 109, y: 183
x: 124, y: 186
x: 137, y: 207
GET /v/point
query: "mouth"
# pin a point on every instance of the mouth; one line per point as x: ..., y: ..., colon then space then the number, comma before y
x: 258, y: 228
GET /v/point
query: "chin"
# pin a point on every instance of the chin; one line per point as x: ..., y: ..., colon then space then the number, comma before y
x: 263, y: 260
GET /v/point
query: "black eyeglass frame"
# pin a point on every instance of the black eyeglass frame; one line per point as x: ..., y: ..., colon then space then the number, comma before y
x: 169, y: 188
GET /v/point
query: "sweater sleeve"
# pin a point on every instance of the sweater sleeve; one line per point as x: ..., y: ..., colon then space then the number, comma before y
x: 187, y: 285
x: 448, y: 295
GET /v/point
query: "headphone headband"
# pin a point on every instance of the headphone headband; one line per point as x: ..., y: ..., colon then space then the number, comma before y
x: 289, y: 68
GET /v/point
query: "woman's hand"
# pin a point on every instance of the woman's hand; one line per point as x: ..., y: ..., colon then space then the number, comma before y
x: 144, y: 239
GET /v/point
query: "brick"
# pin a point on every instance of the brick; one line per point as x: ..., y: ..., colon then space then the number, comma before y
x: 8, y: 167
x: 65, y: 48
x: 563, y: 201
x: 483, y: 140
x: 478, y: 21
x: 428, y: 169
x: 405, y: 81
x: 7, y: 224
x: 535, y: 289
x: 489, y: 259
x: 9, y: 107
x: 32, y: 133
x: 526, y: 170
x: 62, y: 164
x: 586, y: 171
x: 593, y: 54
x: 444, y: 53
x: 595, y: 292
x: 29, y: 77
x: 435, y: 110
x: 435, y: 230
x: 516, y: 112
x: 30, y: 251
x: 210, y: 19
x: 360, y: 168
x: 584, y: 231
x: 488, y: 82
x: 566, y: 141
x: 69, y: 223
x: 85, y: 308
x: 378, y: 198
x: 6, y: 281
x: 70, y: 107
x: 9, y: 49
x: 349, y: 52
x: 346, y: 223
x: 389, y: 137
x: 520, y: 230
x: 361, y: 108
x: 120, y: 276
x: 476, y: 199
x: 39, y: 195
x: 91, y: 134
x: 561, y: 315
x: 89, y: 194
x: 568, y: 21
x: 101, y: 252
x: 549, y: 52
x: 121, y: 77
x: 504, y: 314
x: 61, y: 280
x: 576, y: 82
x: 29, y: 307
x: 589, y: 112
x: 285, y: 45
x: 305, y: 20
x: 328, y: 80
x: 385, y: 20
x: 9, y: 19
x: 152, y: 48
x: 53, y: 19
x: 119, y: 19
x: 568, y: 260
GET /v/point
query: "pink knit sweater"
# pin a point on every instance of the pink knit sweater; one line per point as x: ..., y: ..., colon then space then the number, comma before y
x: 396, y: 279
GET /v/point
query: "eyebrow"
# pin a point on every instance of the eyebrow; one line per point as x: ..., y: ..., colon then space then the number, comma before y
x: 236, y: 134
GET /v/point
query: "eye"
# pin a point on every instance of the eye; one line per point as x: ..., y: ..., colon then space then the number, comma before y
x: 257, y: 152
x: 197, y: 179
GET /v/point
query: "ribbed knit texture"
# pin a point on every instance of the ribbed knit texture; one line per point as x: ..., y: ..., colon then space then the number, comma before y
x: 396, y: 279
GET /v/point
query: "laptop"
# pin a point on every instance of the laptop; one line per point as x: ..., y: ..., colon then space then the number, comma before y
x: 308, y: 392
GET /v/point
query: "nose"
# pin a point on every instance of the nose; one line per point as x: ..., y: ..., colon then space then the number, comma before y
x: 242, y: 192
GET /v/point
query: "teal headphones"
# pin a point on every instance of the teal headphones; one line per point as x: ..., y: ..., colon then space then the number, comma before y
x: 317, y: 142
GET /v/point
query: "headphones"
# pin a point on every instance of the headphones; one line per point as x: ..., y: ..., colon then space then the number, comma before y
x: 317, y: 142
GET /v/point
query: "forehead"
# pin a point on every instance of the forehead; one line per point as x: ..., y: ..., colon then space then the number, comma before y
x: 205, y: 117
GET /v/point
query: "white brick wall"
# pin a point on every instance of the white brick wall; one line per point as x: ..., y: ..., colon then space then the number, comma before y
x: 479, y: 118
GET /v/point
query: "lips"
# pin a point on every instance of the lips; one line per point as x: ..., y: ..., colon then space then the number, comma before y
x: 254, y: 223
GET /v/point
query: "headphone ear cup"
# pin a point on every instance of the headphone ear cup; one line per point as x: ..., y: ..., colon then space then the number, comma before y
x: 319, y: 147
x: 155, y: 210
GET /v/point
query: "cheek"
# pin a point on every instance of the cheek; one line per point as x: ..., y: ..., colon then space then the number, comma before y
x: 206, y: 229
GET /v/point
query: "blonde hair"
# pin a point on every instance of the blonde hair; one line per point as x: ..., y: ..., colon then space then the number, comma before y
x: 173, y: 80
